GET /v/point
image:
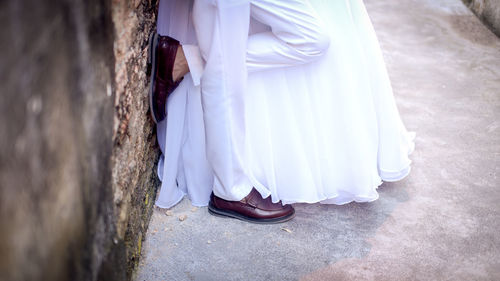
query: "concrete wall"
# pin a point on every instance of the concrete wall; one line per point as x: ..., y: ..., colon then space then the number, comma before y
x: 488, y: 11
x: 77, y: 148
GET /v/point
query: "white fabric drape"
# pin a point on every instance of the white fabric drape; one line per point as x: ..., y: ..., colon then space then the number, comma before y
x: 327, y: 131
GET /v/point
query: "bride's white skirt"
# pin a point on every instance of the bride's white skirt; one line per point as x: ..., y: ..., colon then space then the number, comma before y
x: 326, y: 132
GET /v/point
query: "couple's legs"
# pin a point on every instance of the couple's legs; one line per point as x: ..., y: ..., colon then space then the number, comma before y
x: 296, y: 38
x: 222, y: 32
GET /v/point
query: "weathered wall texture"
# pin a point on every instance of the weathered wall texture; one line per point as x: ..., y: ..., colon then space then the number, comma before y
x: 135, y: 151
x: 488, y: 11
x: 77, y: 149
x: 56, y: 117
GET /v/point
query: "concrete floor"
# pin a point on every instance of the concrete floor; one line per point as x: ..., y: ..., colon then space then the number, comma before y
x: 441, y: 223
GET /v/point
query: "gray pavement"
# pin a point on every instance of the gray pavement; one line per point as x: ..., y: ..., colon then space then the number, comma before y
x: 441, y: 223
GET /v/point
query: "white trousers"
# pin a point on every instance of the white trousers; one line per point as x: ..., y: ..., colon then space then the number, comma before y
x: 326, y: 131
x: 222, y: 26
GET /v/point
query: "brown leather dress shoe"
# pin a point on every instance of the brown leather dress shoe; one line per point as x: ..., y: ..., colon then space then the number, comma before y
x: 253, y: 208
x: 162, y: 52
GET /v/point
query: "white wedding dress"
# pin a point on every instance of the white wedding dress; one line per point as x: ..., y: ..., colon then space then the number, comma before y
x: 327, y: 131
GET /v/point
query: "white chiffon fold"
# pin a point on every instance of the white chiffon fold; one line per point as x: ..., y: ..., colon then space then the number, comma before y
x: 327, y: 132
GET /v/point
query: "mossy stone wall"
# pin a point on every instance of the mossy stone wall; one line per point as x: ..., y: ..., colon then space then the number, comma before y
x: 77, y: 147
x: 488, y: 11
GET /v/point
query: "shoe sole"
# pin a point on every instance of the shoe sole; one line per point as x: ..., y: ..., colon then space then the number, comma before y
x: 153, y: 45
x: 231, y: 214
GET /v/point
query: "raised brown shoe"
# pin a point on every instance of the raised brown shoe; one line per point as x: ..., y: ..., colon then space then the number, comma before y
x: 162, y: 52
x: 253, y: 208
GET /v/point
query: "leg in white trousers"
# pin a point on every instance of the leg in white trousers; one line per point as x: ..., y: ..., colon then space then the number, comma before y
x: 222, y: 31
